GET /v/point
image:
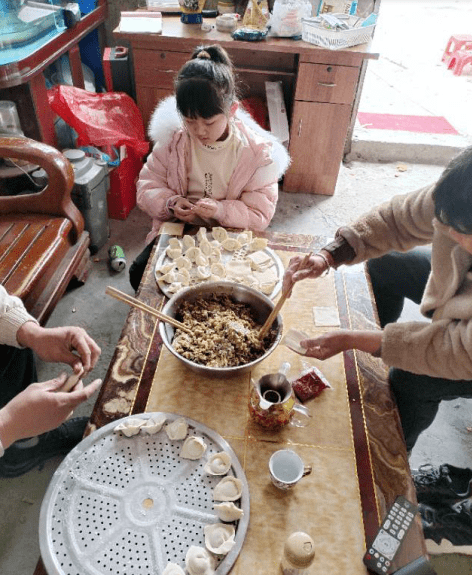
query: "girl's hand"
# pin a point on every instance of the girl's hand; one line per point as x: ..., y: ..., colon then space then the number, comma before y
x: 184, y: 210
x: 206, y: 208
x: 313, y: 268
x: 334, y: 342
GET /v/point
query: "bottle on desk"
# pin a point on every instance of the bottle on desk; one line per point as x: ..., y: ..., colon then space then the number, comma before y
x: 299, y: 553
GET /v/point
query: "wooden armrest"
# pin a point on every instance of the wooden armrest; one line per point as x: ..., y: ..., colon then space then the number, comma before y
x: 55, y: 199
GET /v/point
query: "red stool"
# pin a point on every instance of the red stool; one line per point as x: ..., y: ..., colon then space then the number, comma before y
x: 455, y: 43
x: 458, y: 60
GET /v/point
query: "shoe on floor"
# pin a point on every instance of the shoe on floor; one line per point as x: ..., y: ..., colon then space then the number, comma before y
x: 453, y: 523
x: 21, y: 456
x: 443, y: 483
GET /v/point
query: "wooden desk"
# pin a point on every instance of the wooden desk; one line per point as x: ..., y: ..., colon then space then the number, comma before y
x: 321, y: 89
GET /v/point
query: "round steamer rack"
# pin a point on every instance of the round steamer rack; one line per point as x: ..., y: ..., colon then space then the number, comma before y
x: 118, y: 505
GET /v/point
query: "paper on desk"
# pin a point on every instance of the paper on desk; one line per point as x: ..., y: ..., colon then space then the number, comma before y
x: 145, y: 22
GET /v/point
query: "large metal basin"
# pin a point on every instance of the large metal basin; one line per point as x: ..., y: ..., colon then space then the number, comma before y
x: 261, y: 305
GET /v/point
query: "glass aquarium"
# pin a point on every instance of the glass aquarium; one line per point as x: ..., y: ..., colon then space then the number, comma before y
x: 27, y: 25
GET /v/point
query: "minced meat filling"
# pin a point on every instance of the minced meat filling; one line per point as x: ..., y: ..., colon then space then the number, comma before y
x: 224, y: 332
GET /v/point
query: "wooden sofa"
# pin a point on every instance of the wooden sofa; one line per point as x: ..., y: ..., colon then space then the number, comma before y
x: 43, y: 245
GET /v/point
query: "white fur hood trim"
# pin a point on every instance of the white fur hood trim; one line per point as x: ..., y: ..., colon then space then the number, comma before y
x: 165, y: 121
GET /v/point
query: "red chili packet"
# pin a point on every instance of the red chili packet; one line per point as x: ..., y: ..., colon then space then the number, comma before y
x: 310, y: 384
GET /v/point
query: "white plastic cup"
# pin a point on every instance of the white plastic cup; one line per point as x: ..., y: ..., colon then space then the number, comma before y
x: 9, y: 119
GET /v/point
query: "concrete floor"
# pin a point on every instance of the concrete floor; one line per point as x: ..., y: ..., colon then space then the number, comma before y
x: 400, y: 82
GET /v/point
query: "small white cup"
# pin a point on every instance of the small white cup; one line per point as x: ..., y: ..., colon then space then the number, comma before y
x: 286, y: 469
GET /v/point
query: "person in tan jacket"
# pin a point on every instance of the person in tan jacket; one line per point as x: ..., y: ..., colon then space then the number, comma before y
x: 418, y: 246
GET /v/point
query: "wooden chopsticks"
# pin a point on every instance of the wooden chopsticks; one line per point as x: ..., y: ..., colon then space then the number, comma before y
x: 278, y: 306
x: 121, y: 296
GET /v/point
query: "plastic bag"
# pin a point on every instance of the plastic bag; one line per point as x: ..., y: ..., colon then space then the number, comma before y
x: 286, y: 17
x: 103, y: 120
x: 309, y: 383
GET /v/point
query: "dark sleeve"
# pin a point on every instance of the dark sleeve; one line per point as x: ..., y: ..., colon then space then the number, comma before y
x: 340, y: 250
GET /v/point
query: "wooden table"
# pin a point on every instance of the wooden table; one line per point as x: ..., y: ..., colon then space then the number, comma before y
x: 370, y: 453
x: 321, y: 89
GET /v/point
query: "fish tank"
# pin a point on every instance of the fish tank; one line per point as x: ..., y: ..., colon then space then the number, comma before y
x: 26, y: 25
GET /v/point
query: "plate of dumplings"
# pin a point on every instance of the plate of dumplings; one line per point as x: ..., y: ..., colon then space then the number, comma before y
x: 216, y: 255
x: 158, y: 491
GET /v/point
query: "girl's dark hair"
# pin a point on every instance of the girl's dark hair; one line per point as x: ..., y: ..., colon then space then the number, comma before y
x: 453, y: 193
x: 205, y: 85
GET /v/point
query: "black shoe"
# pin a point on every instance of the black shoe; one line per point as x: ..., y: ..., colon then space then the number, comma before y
x: 443, y: 483
x: 19, y: 459
x: 453, y: 523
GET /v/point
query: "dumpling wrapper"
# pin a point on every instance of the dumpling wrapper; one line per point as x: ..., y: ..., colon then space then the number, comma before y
x: 218, y: 464
x: 199, y: 561
x: 193, y: 448
x: 154, y: 424
x: 219, y: 538
x: 228, y: 489
x: 292, y: 340
x: 177, y: 429
x: 173, y: 569
x: 131, y: 426
x: 228, y: 511
x: 237, y: 269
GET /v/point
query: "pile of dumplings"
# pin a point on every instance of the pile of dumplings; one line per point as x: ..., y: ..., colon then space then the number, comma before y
x: 219, y: 537
x: 217, y: 256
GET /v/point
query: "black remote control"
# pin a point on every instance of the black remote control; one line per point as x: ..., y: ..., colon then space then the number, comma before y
x: 382, y: 550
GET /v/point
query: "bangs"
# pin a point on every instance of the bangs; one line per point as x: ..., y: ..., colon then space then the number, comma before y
x: 198, y: 97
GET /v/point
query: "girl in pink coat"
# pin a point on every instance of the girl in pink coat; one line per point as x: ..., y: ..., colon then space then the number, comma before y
x: 211, y: 164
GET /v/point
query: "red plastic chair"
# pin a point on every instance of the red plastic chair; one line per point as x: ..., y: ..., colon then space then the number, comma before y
x: 459, y: 60
x: 455, y: 43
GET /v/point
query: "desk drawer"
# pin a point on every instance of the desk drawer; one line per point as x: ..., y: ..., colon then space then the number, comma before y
x: 324, y: 83
x: 155, y: 68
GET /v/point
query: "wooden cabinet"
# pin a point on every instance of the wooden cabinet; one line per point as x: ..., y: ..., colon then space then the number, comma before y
x: 321, y: 116
x: 320, y: 88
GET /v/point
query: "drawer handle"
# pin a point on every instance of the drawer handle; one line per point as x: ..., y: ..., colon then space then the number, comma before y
x: 300, y: 127
x: 327, y: 84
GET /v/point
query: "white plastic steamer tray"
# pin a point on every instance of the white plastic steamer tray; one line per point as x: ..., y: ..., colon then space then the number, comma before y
x: 226, y: 256
x: 126, y: 505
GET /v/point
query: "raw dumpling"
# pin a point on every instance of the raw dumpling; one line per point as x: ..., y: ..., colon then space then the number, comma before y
x: 174, y: 287
x: 267, y: 287
x: 154, y: 423
x: 218, y: 464
x: 258, y: 244
x: 203, y: 272
x: 130, y: 426
x: 219, y: 234
x: 183, y: 276
x: 231, y: 245
x: 227, y: 511
x: 199, y: 561
x: 183, y: 263
x: 173, y: 253
x: 228, y: 489
x: 201, y: 234
x: 219, y: 538
x: 206, y: 247
x: 201, y: 260
x: 193, y: 448
x: 245, y: 237
x: 165, y: 268
x: 177, y: 429
x: 215, y: 256
x: 173, y: 569
x: 218, y: 269
x: 192, y: 253
x: 188, y: 242
x: 169, y: 277
x: 175, y: 244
